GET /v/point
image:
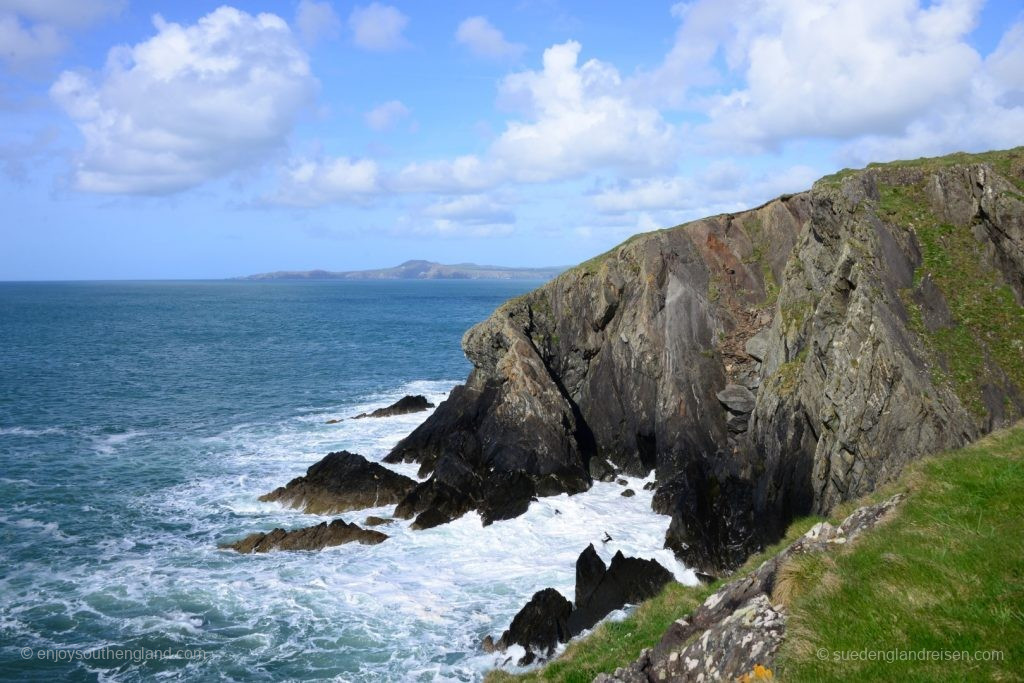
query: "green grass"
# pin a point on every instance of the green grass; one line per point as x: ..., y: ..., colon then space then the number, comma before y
x: 1009, y: 163
x: 945, y: 575
x: 987, y: 337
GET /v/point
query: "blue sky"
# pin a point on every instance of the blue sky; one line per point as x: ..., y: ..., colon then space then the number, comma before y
x: 194, y: 140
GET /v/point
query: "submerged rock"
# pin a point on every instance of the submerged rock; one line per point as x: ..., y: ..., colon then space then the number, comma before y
x: 373, y: 520
x: 340, y: 482
x: 316, y: 537
x: 404, y: 406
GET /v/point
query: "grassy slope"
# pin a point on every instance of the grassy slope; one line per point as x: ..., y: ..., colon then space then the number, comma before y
x: 947, y: 573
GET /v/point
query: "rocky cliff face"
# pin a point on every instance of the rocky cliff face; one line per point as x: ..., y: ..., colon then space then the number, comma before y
x: 765, y: 364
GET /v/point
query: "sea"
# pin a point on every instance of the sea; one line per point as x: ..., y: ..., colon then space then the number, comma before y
x: 140, y: 422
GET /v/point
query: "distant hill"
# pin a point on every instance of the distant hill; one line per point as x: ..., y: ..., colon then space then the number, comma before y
x: 418, y: 270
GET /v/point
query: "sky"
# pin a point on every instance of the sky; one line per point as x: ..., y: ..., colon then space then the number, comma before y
x: 153, y: 140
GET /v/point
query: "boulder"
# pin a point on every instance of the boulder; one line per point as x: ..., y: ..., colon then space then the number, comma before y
x: 316, y: 537
x: 757, y: 346
x: 404, y: 406
x: 373, y: 520
x: 539, y: 626
x: 340, y: 482
x: 737, y: 399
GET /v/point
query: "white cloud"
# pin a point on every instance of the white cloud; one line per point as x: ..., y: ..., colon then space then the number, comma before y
x: 463, y: 174
x: 26, y: 44
x: 385, y: 116
x: 471, y: 209
x: 316, y: 21
x: 724, y: 185
x: 484, y: 40
x: 579, y: 119
x: 843, y: 68
x: 378, y: 27
x: 32, y: 31
x: 989, y: 116
x: 310, y: 183
x: 190, y: 104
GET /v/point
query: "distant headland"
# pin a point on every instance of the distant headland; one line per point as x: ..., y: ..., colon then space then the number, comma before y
x: 418, y: 270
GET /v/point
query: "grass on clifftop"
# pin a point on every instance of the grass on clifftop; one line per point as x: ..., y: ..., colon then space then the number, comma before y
x: 944, y: 580
x: 945, y: 575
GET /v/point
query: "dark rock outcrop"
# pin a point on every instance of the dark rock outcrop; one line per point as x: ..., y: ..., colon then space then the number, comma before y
x: 403, y: 406
x: 833, y: 308
x: 626, y: 581
x: 340, y: 482
x: 540, y: 626
x: 316, y: 537
x: 549, y: 619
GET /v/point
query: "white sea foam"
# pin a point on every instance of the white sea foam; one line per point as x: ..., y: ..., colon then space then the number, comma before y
x: 25, y: 431
x: 412, y: 608
x: 108, y: 444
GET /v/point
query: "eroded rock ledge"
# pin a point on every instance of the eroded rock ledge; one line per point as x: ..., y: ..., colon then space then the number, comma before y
x: 317, y: 537
x: 340, y: 482
x: 403, y: 406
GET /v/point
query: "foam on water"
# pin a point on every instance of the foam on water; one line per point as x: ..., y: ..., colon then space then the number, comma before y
x: 412, y: 608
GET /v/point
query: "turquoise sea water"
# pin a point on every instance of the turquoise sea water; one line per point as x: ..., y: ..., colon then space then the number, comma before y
x: 139, y: 422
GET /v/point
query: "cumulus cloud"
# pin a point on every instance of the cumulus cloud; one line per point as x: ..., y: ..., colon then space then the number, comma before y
x: 378, y: 27
x: 385, y: 116
x: 32, y: 31
x: 723, y: 185
x: 842, y: 68
x: 481, y: 38
x: 316, y: 21
x: 190, y: 104
x: 463, y: 174
x: 309, y: 183
x: 990, y: 116
x: 574, y: 119
x: 578, y: 119
x: 471, y: 209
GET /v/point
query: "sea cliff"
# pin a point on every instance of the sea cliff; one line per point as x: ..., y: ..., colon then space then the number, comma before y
x: 765, y: 364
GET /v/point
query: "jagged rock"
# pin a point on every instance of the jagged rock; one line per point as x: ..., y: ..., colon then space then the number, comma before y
x: 540, y: 625
x: 757, y: 346
x: 340, y: 482
x: 628, y: 493
x: 316, y: 537
x: 403, y: 406
x: 549, y: 619
x: 621, y: 360
x: 737, y: 399
x: 332, y: 421
x: 590, y: 569
x: 628, y: 580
